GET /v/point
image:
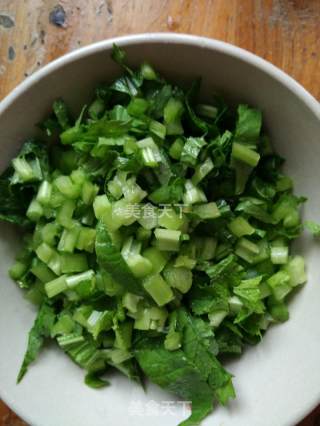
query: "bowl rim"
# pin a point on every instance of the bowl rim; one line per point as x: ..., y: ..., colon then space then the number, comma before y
x: 165, y: 38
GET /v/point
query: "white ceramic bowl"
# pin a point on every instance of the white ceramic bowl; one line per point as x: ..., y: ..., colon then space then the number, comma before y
x: 277, y: 382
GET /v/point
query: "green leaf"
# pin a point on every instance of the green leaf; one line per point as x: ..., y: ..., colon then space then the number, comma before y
x: 313, y: 227
x: 173, y: 372
x: 128, y: 84
x: 125, y: 85
x: 200, y: 409
x: 118, y: 55
x: 196, y: 343
x: 220, y: 148
x: 209, y: 299
x: 158, y: 100
x: 15, y: 193
x: 32, y: 150
x: 192, y: 372
x: 101, y: 167
x: 93, y: 380
x: 110, y: 259
x: 223, y: 269
x: 229, y: 339
x: 14, y: 200
x: 263, y: 189
x: 191, y: 150
x: 85, y: 136
x: 39, y: 332
x: 35, y: 155
x: 248, y: 125
x: 61, y: 112
x: 256, y: 208
x: 249, y: 293
x: 197, y: 122
x: 129, y: 369
x: 171, y: 193
x: 269, y: 167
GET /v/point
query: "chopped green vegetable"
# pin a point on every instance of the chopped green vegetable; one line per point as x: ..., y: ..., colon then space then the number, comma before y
x: 158, y: 289
x: 158, y: 235
x: 313, y: 227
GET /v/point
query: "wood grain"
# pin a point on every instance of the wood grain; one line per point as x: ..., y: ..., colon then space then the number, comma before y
x: 285, y: 32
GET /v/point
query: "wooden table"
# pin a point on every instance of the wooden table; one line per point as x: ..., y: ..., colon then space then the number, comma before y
x: 34, y: 32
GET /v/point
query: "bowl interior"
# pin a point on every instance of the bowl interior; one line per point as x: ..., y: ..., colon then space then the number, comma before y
x: 277, y: 382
